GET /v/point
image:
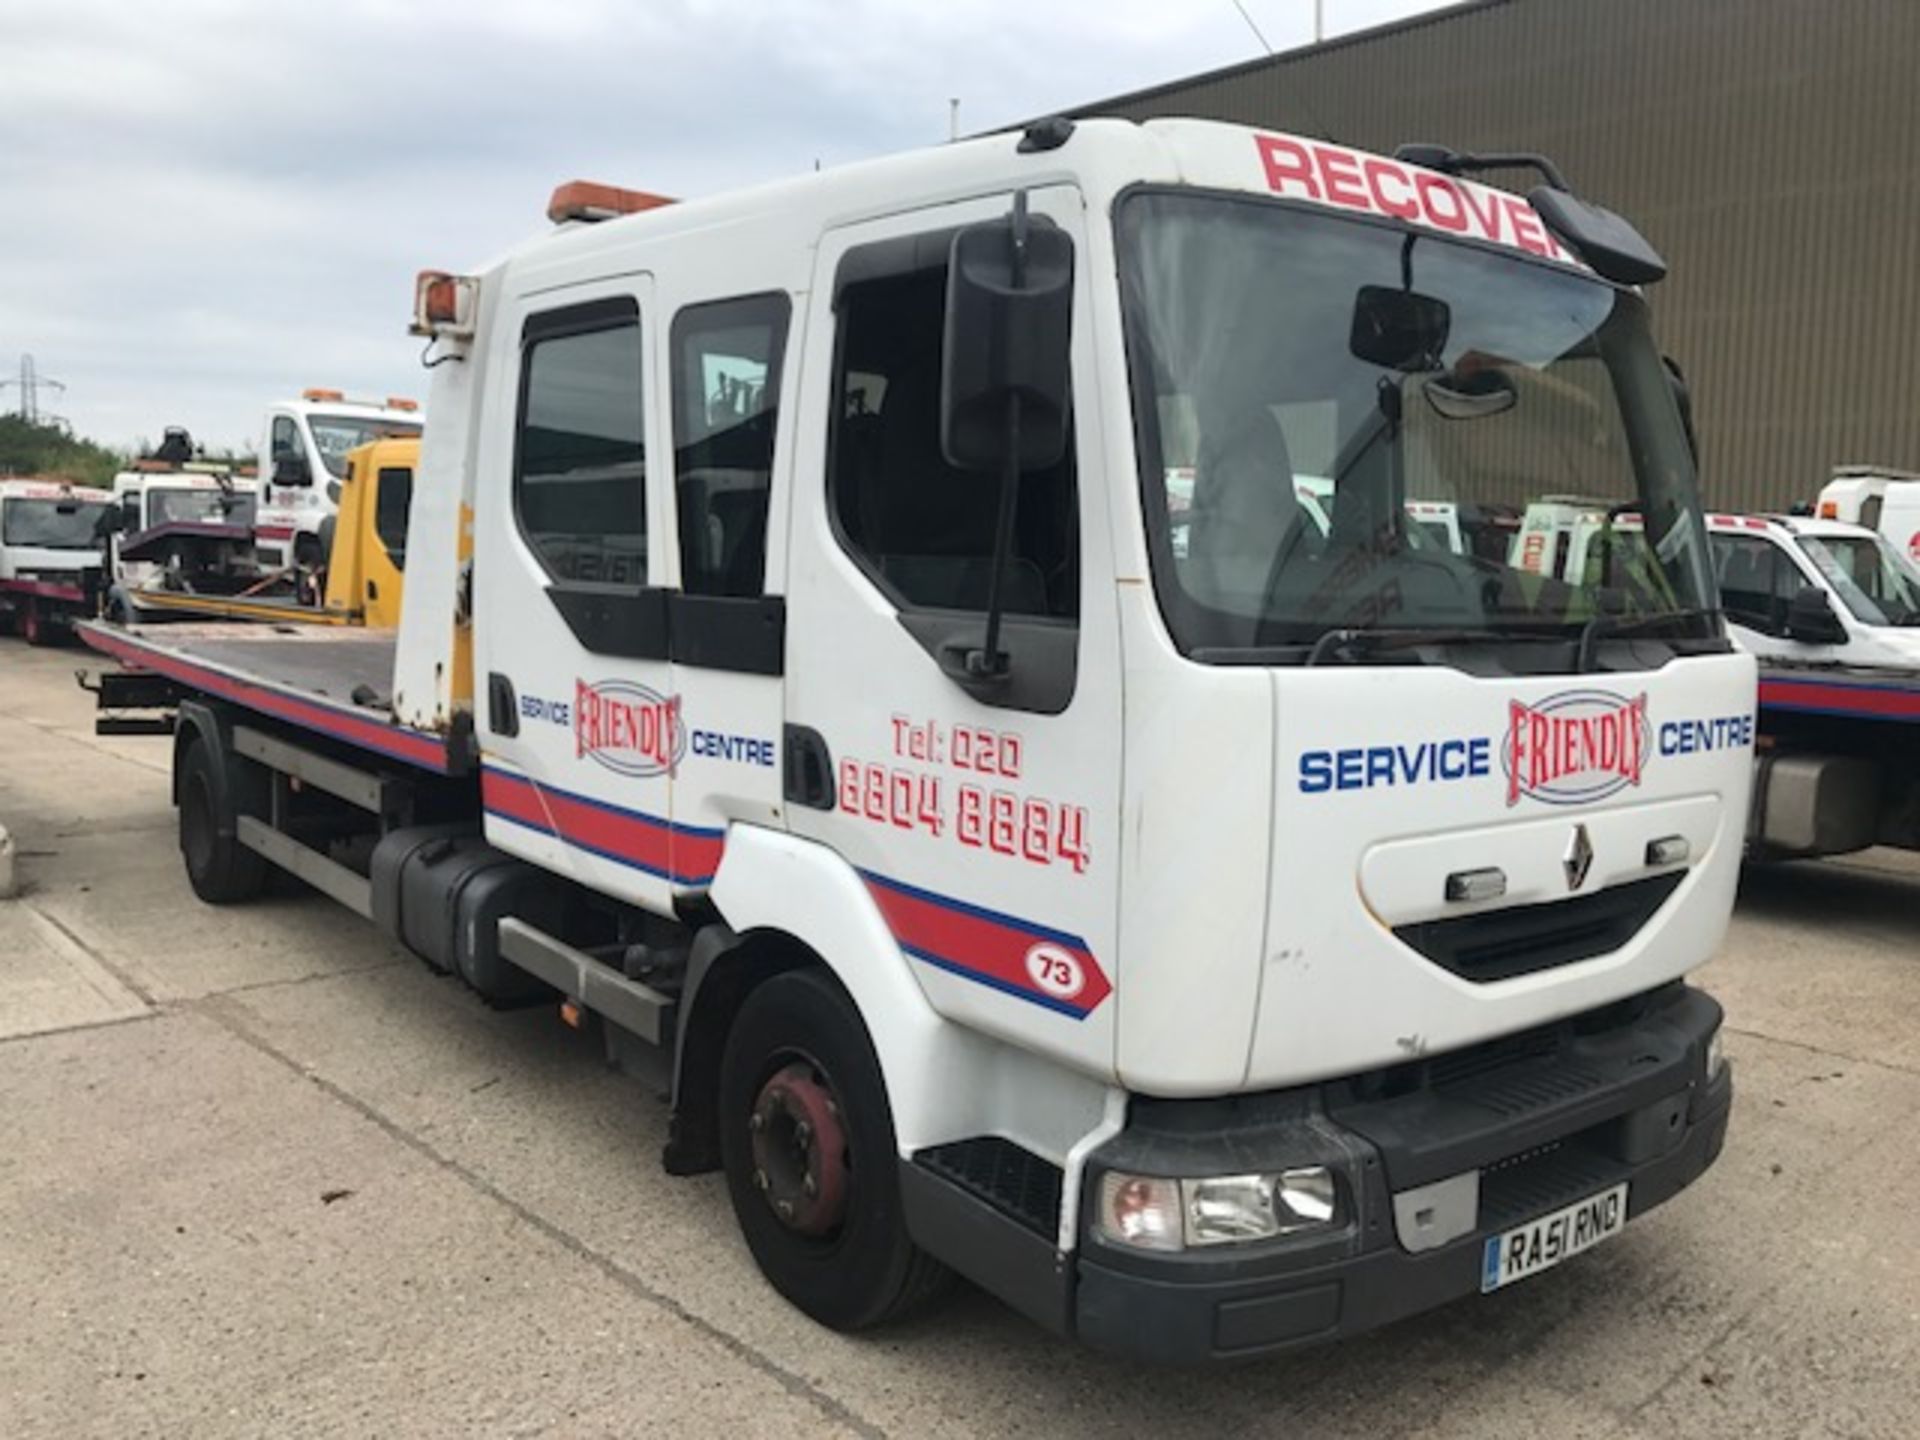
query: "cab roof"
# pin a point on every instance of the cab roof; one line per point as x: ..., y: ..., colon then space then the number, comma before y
x: 1103, y: 157
x: 1785, y: 525
x: 42, y: 487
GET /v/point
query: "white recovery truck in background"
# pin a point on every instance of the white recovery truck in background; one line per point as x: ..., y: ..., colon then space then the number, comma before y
x: 176, y: 520
x: 1209, y: 944
x: 1878, y: 497
x: 303, y: 460
x: 1832, y: 611
x: 49, y: 555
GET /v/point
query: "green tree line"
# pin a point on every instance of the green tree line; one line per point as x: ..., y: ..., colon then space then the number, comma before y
x: 27, y: 448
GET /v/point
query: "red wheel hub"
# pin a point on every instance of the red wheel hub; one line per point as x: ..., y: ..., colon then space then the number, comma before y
x: 800, y: 1150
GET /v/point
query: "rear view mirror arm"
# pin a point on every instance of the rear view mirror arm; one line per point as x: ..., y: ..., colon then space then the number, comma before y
x: 990, y: 660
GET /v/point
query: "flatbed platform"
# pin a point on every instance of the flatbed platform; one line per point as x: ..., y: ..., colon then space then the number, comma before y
x: 336, y: 681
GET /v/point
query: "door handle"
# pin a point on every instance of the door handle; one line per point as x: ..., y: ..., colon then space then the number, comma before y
x: 503, y: 709
x: 809, y: 769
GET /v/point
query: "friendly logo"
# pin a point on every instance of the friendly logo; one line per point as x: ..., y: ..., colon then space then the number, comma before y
x: 627, y: 727
x: 1575, y: 747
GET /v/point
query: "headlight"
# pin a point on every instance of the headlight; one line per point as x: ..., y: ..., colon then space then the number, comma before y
x: 1140, y: 1210
x: 1716, y: 1057
x: 1154, y: 1213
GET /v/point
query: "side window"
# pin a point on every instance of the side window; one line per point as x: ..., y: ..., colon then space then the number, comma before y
x: 923, y: 530
x: 390, y: 512
x: 285, y: 444
x: 726, y: 406
x: 1752, y: 585
x: 580, y: 461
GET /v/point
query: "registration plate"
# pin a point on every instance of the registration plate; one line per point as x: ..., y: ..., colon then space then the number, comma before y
x: 1542, y: 1244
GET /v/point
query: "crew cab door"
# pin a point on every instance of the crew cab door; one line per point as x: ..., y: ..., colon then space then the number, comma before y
x: 985, y: 826
x: 579, y: 728
x: 726, y: 373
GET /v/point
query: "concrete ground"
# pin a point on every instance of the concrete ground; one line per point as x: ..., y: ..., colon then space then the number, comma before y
x: 262, y: 1174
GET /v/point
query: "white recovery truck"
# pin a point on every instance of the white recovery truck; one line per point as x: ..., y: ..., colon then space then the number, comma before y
x: 1832, y: 612
x: 1878, y: 497
x: 49, y: 555
x: 176, y: 522
x: 304, y: 461
x: 1208, y: 950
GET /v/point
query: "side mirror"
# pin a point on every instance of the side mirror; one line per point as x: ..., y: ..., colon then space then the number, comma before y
x: 1004, y: 370
x: 1608, y: 243
x: 1811, y: 621
x: 291, y: 470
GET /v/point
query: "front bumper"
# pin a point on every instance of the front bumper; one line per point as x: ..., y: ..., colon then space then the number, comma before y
x: 1542, y: 1121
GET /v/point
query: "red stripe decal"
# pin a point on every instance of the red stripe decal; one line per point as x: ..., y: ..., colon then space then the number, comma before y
x: 1887, y: 704
x: 46, y: 590
x: 1017, y: 957
x: 683, y: 854
x: 416, y: 747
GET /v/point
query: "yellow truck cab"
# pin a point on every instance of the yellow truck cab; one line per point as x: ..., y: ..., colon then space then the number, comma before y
x: 366, y: 545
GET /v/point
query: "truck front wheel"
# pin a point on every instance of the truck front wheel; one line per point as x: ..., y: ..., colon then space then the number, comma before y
x: 806, y: 1136
x: 220, y: 869
x: 35, y: 628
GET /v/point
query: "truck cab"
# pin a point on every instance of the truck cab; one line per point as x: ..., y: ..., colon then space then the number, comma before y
x: 366, y: 543
x: 1832, y: 612
x: 1814, y: 591
x: 1878, y: 497
x: 190, y: 500
x: 304, y: 462
x: 49, y: 554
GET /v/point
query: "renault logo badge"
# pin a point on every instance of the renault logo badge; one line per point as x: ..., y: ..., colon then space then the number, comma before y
x: 1578, y: 859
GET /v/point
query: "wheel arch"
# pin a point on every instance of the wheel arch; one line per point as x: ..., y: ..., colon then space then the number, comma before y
x: 196, y: 722
x: 785, y: 901
x: 723, y: 969
x: 240, y: 786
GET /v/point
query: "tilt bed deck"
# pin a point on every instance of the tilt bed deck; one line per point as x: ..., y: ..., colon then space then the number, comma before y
x: 328, y: 679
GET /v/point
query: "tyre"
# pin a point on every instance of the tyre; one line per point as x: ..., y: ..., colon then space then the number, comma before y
x: 806, y: 1139
x: 35, y: 628
x: 220, y: 869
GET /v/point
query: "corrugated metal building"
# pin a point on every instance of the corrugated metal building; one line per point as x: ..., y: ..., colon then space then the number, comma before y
x: 1770, y: 149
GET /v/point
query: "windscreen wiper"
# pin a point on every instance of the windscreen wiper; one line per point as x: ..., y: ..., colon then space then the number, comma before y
x: 1621, y: 625
x: 1359, y: 641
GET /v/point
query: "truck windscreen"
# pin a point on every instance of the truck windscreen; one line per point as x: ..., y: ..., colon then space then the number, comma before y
x: 210, y: 507
x: 1345, y: 426
x: 50, y: 524
x: 1868, y: 575
x: 335, y: 435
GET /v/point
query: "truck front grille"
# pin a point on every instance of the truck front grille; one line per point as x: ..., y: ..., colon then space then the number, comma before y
x: 1499, y: 944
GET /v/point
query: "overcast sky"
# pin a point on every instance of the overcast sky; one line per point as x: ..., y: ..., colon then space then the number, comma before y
x: 205, y: 206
